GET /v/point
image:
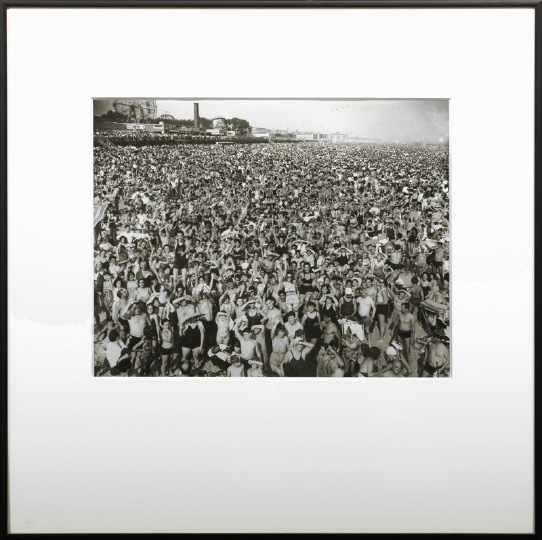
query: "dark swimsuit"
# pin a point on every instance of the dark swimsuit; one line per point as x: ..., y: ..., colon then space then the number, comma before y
x: 430, y: 369
x: 254, y: 319
x: 306, y: 284
x: 404, y: 334
x: 191, y: 338
x: 348, y: 309
x: 311, y: 328
x: 180, y: 260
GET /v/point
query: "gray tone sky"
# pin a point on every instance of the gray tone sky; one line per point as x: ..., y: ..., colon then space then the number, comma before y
x: 388, y: 120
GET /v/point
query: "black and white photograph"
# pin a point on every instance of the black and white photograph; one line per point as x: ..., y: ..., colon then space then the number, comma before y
x: 271, y: 238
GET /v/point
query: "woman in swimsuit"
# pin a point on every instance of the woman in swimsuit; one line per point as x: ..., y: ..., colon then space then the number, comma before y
x: 311, y: 323
x: 254, y: 314
x: 290, y: 288
x: 296, y: 355
x: 237, y: 307
x: 131, y: 285
x: 307, y: 284
x: 142, y: 293
x: 180, y: 263
x: 153, y: 317
x: 222, y: 320
x: 328, y: 307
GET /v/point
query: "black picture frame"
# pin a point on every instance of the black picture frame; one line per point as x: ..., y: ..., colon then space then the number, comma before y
x: 536, y: 5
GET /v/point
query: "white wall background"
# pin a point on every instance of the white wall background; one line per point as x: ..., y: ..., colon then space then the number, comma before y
x: 208, y: 455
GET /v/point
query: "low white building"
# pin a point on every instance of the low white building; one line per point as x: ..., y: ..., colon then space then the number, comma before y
x: 215, y: 131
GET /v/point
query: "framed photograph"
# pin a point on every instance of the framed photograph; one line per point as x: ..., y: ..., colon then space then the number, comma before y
x: 273, y: 192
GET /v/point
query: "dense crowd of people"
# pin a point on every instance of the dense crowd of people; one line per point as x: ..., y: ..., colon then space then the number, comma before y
x: 290, y: 260
x: 148, y: 138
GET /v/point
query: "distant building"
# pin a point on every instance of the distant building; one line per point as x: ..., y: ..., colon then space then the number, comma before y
x: 305, y: 136
x: 216, y: 131
x: 153, y: 128
x: 279, y: 132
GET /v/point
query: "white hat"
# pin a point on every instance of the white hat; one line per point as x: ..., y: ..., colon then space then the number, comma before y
x: 348, y: 291
x: 396, y: 345
x: 390, y: 351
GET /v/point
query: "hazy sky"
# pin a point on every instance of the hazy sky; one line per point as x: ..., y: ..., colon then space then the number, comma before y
x: 388, y: 120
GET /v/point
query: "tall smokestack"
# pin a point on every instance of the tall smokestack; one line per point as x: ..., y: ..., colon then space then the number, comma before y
x: 196, y: 115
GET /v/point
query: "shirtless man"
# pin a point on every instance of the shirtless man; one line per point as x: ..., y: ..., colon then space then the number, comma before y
x: 185, y: 310
x: 137, y: 321
x: 280, y: 346
x: 435, y: 360
x: 413, y: 248
x: 371, y: 289
x: 437, y: 295
x: 259, y: 336
x: 395, y: 370
x: 438, y: 258
x: 274, y: 316
x: 273, y: 287
x: 366, y: 311
x: 405, y: 328
x: 421, y: 262
x: 206, y: 308
x: 395, y: 364
x: 395, y: 258
x: 249, y: 347
x: 331, y: 332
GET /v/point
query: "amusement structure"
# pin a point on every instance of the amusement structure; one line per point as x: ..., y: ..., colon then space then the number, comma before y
x: 136, y: 110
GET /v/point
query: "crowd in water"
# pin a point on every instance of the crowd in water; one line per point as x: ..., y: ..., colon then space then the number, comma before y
x: 271, y: 260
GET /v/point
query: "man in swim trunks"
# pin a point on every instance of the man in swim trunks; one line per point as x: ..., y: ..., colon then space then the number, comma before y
x: 436, y: 358
x: 395, y: 258
x: 405, y: 328
x: 249, y: 347
x: 366, y: 310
